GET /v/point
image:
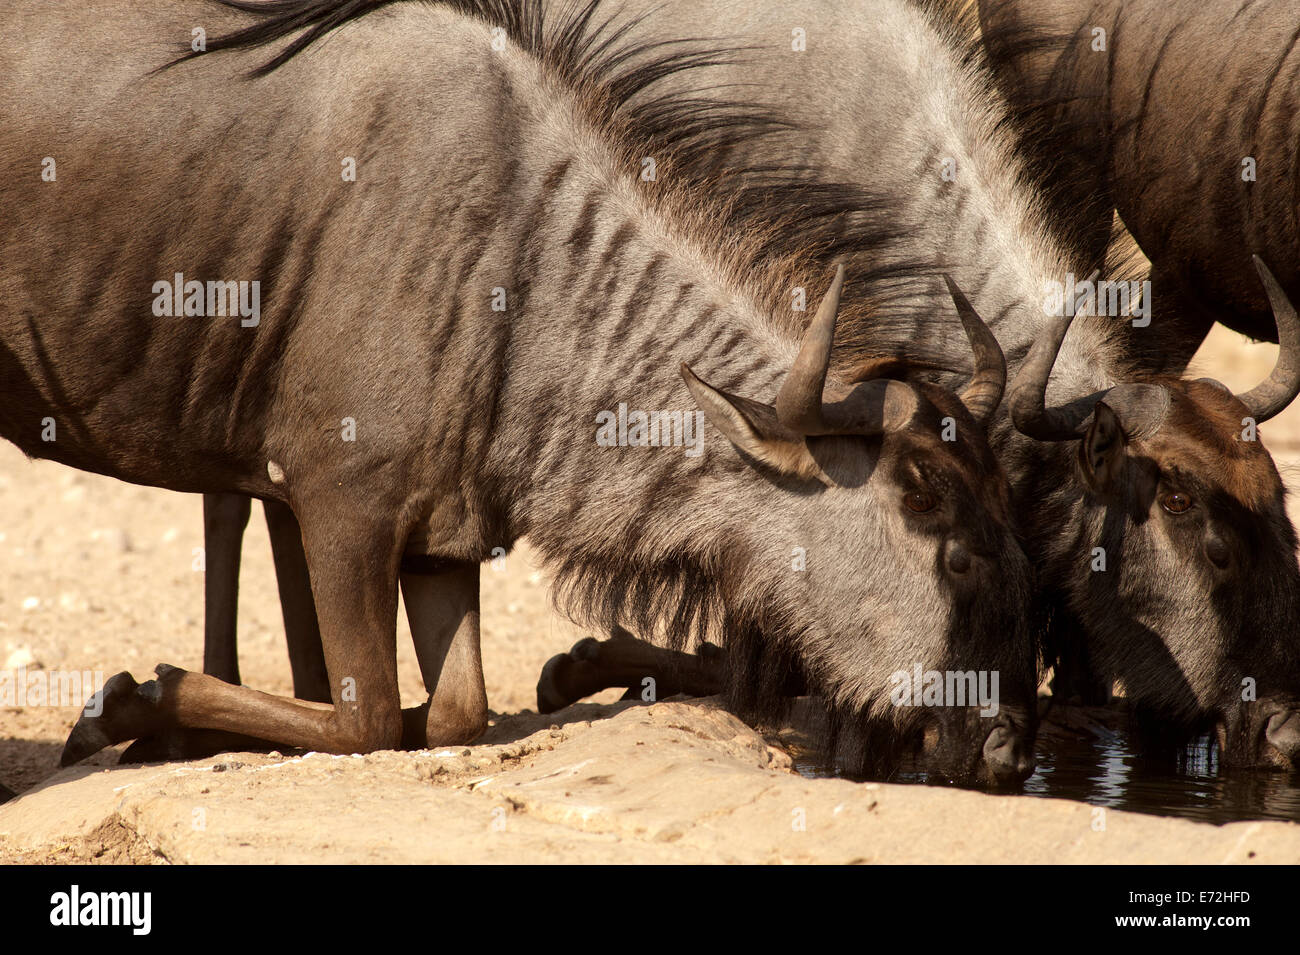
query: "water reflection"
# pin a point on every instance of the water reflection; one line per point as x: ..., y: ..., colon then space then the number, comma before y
x: 1108, y: 773
x: 1099, y: 766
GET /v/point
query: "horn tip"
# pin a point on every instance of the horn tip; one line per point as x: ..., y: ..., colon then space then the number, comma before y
x: 1265, y: 273
x: 957, y: 295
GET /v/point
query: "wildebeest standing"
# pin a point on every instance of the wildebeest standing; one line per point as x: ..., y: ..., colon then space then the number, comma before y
x: 486, y: 172
x: 1180, y: 114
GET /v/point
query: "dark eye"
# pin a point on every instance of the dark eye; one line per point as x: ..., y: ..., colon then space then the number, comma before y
x: 920, y: 501
x: 1175, y: 502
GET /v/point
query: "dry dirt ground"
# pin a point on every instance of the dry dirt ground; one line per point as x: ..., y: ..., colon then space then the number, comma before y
x: 99, y: 575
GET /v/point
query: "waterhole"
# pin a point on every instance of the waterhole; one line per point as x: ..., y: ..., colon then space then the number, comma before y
x: 1094, y: 760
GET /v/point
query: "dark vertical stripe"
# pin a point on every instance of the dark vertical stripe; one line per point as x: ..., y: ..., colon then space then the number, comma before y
x: 637, y: 304
x: 585, y: 229
x: 1146, y: 92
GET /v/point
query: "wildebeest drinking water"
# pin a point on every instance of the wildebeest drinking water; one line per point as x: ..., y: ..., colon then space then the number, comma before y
x: 1154, y: 515
x: 1188, y: 647
x: 395, y: 410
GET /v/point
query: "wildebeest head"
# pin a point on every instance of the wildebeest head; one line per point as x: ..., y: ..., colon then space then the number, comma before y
x: 1184, y: 574
x: 905, y: 561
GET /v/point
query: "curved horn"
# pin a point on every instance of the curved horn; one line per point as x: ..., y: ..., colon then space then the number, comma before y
x: 1141, y: 406
x: 984, y: 390
x: 1281, y: 387
x: 872, y: 407
x: 799, y: 402
x: 1029, y: 390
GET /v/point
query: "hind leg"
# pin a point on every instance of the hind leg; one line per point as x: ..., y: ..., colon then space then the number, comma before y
x: 354, y: 565
x: 225, y: 519
x: 301, y: 627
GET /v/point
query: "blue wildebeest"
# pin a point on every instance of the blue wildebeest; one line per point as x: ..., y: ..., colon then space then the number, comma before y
x: 1154, y: 514
x: 1142, y: 624
x: 497, y: 270
x: 1182, y: 116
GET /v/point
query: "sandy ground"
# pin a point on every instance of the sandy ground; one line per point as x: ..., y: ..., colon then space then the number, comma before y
x: 99, y: 576
x: 674, y: 782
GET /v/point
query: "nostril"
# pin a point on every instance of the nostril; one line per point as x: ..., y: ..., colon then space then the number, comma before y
x: 1007, y: 757
x: 957, y: 557
x: 1283, y: 734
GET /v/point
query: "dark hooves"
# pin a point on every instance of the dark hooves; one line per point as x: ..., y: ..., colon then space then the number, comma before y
x: 122, y: 710
x: 567, y: 677
x: 176, y: 744
x: 554, y: 675
x: 163, y: 748
x: 711, y: 653
x: 6, y: 793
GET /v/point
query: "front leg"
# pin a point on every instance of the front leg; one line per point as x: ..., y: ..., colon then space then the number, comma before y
x: 624, y: 661
x: 442, y: 606
x: 354, y: 553
x: 225, y: 517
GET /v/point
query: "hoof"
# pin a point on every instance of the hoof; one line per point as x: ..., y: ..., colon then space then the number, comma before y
x: 587, y: 650
x: 549, y: 695
x: 6, y: 794
x: 712, y: 654
x: 122, y: 710
x: 568, y: 677
x: 153, y: 749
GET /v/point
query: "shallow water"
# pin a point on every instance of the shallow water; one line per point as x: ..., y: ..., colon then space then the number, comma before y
x: 1103, y: 770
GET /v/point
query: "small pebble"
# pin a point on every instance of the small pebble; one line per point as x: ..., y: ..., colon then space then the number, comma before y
x: 22, y: 657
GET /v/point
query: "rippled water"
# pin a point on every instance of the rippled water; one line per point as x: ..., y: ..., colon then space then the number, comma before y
x: 1107, y: 773
x: 1103, y: 770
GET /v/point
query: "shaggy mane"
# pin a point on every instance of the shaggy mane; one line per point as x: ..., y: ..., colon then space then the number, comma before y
x: 771, y: 228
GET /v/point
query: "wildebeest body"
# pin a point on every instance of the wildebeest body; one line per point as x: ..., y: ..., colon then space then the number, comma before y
x: 206, y: 421
x: 890, y: 102
x: 1181, y: 115
x: 387, y: 399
